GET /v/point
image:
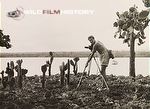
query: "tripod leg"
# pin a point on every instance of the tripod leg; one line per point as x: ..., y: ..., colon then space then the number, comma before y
x: 81, y: 78
x: 89, y: 68
x: 101, y: 74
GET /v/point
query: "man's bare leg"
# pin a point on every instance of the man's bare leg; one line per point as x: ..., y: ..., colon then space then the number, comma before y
x: 103, y: 72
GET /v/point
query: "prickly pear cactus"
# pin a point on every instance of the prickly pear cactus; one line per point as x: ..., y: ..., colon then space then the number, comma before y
x: 131, y: 23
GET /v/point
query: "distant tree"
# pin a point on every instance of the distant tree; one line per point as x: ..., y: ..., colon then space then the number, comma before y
x: 4, y: 40
x: 131, y: 25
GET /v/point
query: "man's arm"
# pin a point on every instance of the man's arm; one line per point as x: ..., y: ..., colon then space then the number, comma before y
x: 91, y: 55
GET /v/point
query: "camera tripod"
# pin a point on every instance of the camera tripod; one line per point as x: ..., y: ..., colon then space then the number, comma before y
x: 99, y: 71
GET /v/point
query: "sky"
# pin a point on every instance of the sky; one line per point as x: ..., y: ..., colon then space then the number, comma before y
x: 48, y: 32
x: 44, y: 33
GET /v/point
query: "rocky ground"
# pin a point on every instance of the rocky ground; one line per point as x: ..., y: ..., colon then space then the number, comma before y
x: 124, y: 93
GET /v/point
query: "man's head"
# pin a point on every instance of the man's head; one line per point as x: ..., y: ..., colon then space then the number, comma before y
x: 91, y: 39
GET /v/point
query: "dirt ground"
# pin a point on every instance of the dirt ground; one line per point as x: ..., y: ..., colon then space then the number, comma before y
x: 124, y: 93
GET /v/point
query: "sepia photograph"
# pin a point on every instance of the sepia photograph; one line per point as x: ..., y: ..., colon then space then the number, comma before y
x: 74, y: 54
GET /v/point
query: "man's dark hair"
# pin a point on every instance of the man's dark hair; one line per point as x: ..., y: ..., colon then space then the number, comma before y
x: 91, y: 37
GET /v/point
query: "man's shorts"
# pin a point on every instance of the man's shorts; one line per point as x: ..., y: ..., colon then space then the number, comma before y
x: 104, y: 58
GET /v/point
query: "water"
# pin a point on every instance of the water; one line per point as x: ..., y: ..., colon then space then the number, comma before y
x: 122, y: 68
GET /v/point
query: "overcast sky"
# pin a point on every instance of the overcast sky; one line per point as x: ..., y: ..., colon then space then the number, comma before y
x: 64, y: 32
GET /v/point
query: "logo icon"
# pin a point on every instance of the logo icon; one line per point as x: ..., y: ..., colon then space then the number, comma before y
x: 17, y: 14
